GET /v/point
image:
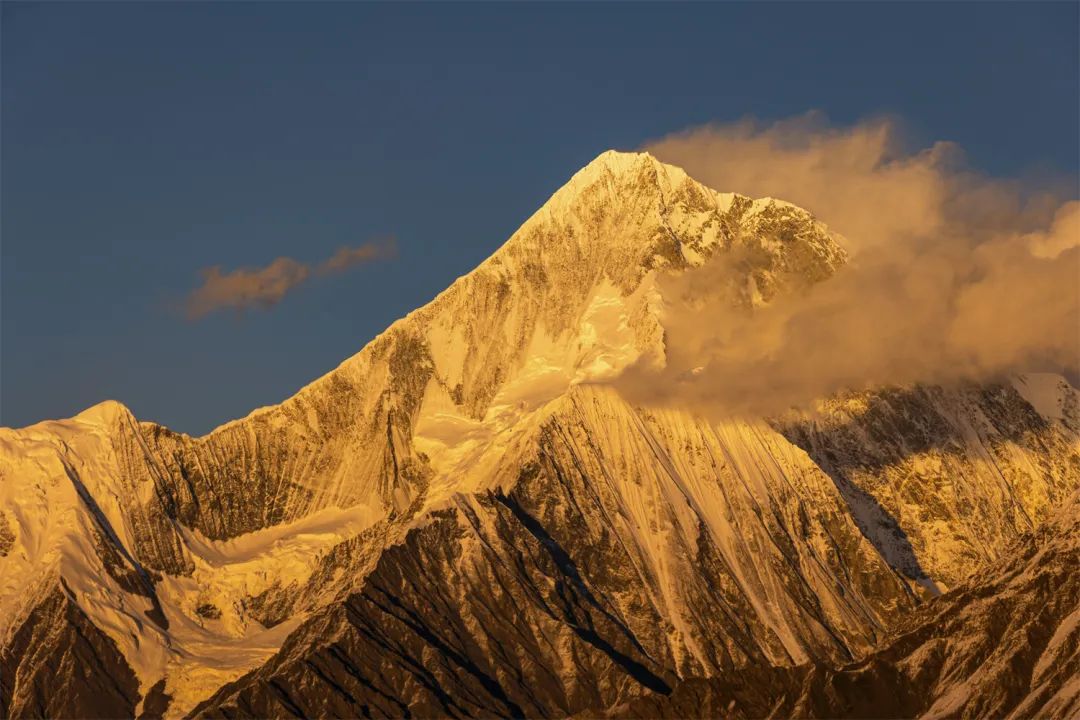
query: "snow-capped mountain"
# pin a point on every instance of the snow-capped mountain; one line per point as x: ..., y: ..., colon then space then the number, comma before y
x: 465, y: 518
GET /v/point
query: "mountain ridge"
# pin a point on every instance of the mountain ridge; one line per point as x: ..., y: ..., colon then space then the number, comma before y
x: 610, y: 165
x: 482, y: 424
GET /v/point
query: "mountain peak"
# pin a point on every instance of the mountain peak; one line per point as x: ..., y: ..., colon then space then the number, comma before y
x: 619, y: 178
x: 620, y: 164
x: 104, y: 412
x: 620, y: 160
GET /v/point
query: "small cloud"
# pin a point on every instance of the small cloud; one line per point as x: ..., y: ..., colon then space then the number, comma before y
x: 246, y: 287
x: 265, y: 287
x: 348, y: 257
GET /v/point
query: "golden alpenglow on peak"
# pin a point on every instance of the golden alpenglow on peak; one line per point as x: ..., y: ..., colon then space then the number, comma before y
x: 495, y: 419
x: 772, y: 417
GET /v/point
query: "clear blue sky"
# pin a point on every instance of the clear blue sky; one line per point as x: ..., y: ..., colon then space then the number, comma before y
x: 144, y: 141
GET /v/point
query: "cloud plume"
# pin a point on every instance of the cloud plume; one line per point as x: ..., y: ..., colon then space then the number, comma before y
x: 952, y: 275
x: 264, y: 287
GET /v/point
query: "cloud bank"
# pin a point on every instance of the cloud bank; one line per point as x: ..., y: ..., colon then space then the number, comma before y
x: 953, y: 275
x: 264, y: 287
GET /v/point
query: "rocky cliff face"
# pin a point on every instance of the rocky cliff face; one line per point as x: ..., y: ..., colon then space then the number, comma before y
x: 607, y: 566
x: 944, y: 480
x: 464, y: 519
x: 1006, y: 645
x: 58, y: 664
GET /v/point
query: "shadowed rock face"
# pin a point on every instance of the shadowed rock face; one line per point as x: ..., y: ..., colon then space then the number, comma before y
x: 1005, y: 646
x: 464, y: 520
x: 58, y: 665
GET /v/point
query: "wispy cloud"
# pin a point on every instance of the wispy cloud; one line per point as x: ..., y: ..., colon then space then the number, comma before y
x: 349, y: 257
x: 264, y: 287
x: 953, y: 275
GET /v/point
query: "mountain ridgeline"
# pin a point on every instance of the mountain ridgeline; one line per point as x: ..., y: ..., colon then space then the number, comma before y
x: 466, y: 519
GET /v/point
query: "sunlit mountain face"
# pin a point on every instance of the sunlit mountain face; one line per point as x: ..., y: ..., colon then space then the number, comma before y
x: 477, y: 515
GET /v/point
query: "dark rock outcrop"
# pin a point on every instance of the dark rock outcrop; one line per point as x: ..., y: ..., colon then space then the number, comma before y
x: 59, y: 665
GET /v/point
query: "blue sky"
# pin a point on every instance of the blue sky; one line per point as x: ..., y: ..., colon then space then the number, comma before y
x: 142, y: 142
